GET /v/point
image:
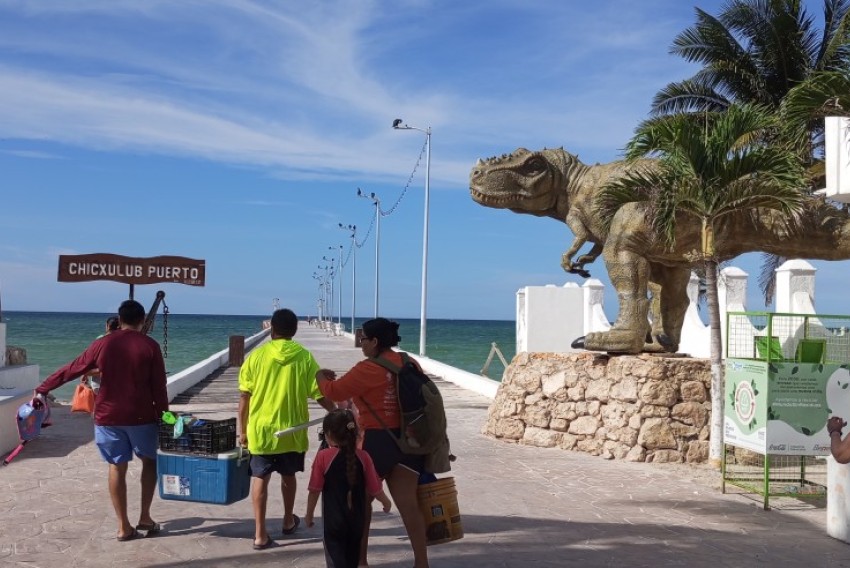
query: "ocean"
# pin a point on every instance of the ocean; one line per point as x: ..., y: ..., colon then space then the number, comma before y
x: 52, y: 339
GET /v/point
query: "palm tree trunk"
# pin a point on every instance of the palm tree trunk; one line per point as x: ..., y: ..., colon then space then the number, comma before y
x: 715, y: 451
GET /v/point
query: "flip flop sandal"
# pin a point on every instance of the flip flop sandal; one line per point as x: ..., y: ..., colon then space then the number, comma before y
x: 150, y: 528
x: 265, y: 545
x: 296, y: 521
x: 132, y: 536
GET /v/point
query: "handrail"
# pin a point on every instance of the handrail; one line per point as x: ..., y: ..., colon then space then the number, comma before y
x: 494, y: 349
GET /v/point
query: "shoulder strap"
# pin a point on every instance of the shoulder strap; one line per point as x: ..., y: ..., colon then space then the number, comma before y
x: 388, y: 365
x: 380, y: 421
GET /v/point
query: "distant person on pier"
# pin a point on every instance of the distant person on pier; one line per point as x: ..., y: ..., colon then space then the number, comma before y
x: 275, y: 382
x: 840, y: 448
x: 92, y: 379
x: 131, y: 398
x: 375, y: 386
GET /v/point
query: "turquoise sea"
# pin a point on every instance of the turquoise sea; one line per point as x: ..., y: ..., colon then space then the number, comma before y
x: 55, y: 338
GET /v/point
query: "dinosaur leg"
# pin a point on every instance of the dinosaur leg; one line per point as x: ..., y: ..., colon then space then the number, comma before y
x: 669, y: 288
x: 629, y: 274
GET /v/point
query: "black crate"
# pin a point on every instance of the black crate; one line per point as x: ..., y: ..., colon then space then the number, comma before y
x: 212, y: 437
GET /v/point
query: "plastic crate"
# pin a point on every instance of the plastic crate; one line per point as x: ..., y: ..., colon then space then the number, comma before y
x: 211, y: 437
x: 221, y: 479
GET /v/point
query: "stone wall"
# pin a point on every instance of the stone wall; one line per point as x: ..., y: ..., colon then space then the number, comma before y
x: 638, y: 408
x: 16, y: 355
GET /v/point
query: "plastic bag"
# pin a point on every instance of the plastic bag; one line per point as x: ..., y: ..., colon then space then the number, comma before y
x: 83, y: 400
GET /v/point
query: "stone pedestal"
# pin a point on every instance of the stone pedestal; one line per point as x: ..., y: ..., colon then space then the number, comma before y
x: 638, y: 408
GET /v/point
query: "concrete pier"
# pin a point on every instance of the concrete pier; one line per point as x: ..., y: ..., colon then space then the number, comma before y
x: 520, y: 506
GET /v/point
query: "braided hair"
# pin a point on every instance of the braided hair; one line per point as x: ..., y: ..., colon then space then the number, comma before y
x: 342, y: 427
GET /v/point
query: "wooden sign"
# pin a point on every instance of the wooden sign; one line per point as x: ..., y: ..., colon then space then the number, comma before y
x: 129, y: 270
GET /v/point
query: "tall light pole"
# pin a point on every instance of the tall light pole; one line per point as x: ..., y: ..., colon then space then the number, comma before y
x: 320, y: 302
x: 333, y: 279
x: 339, y: 287
x: 353, y: 230
x: 325, y: 282
x: 399, y: 124
x: 377, y: 203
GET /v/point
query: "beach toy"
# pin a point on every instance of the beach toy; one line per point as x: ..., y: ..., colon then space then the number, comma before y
x: 30, y: 419
x: 298, y: 427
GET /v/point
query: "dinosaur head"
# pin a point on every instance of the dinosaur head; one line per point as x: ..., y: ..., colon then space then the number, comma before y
x: 522, y: 181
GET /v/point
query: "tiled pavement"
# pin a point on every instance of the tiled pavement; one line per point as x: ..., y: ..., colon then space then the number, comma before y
x: 520, y: 506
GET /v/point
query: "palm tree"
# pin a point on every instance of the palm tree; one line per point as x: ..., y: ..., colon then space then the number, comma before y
x: 755, y: 52
x: 821, y: 95
x: 710, y: 166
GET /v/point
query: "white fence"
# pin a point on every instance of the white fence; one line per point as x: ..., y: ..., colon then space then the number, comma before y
x: 550, y: 317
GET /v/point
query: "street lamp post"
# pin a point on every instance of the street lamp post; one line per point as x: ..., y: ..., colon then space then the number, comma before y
x: 398, y: 124
x: 377, y: 203
x: 320, y: 302
x: 325, y: 282
x: 339, y: 287
x: 333, y: 279
x: 353, y: 230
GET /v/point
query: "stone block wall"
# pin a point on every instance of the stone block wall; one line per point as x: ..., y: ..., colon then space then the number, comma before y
x: 638, y: 408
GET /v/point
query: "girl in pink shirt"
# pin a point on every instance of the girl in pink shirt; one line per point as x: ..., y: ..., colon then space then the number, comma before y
x: 343, y: 475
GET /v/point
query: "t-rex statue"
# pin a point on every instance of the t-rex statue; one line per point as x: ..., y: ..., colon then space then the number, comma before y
x: 554, y: 183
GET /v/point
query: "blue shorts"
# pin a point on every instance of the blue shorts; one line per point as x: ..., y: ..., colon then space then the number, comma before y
x: 117, y: 444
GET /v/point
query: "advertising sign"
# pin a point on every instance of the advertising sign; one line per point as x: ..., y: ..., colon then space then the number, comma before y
x: 782, y: 408
x: 129, y: 270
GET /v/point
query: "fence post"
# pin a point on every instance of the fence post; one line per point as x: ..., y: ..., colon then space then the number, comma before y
x: 237, y: 350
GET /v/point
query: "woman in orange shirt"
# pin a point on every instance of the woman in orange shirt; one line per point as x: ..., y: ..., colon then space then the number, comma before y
x: 374, y: 391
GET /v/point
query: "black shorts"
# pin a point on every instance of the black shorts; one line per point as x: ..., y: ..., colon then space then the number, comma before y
x: 285, y: 464
x: 386, y: 454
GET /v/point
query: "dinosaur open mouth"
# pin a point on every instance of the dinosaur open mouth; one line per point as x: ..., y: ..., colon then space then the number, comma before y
x: 494, y: 199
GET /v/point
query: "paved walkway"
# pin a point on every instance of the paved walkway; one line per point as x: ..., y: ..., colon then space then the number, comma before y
x: 520, y: 506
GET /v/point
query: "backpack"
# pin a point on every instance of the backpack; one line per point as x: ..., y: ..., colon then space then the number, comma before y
x: 422, y: 415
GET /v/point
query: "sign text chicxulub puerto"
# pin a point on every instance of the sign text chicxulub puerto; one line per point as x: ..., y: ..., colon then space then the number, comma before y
x: 129, y: 270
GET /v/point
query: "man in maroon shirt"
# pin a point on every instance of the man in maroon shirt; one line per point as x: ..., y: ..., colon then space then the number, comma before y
x: 131, y: 398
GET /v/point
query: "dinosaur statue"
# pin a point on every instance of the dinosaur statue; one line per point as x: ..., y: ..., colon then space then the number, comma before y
x: 554, y: 183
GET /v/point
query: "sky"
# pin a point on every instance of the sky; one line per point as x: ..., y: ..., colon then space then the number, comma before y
x: 238, y: 132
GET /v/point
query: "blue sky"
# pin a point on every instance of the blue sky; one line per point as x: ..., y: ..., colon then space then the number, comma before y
x: 239, y: 132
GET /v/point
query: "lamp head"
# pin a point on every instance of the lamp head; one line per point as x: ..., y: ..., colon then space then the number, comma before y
x: 397, y: 123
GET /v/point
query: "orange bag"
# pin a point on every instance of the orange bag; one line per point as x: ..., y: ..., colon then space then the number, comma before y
x: 83, y: 400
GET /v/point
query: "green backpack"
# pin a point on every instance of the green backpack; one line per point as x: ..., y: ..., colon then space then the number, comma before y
x: 423, y: 417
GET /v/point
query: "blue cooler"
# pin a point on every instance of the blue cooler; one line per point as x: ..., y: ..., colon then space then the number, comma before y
x: 219, y: 479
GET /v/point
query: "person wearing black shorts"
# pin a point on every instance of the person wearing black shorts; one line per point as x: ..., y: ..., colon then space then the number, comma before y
x: 373, y: 389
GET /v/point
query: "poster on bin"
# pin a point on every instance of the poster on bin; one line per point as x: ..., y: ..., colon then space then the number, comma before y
x: 781, y: 408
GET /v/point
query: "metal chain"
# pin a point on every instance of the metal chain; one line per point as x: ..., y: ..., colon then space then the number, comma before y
x: 164, y: 329
x: 392, y: 209
x: 369, y: 232
x: 348, y: 256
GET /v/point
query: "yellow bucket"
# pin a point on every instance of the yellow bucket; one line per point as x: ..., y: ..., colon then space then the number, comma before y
x: 438, y: 503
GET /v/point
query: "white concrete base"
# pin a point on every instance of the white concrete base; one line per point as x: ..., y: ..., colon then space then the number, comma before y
x: 838, y: 500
